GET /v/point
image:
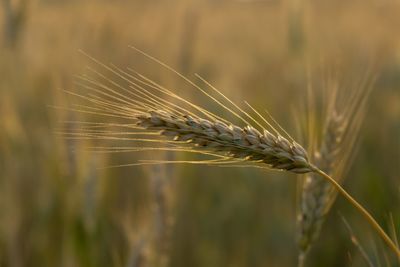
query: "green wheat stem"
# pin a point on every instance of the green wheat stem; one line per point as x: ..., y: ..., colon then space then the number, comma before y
x: 361, y: 209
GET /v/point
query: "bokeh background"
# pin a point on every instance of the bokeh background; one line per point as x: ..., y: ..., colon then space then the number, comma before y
x: 58, y: 207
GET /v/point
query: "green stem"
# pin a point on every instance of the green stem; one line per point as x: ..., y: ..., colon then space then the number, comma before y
x: 361, y: 209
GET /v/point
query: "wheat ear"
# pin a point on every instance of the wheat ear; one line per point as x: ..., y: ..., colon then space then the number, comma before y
x: 237, y: 143
x: 317, y: 195
x: 197, y: 130
x: 333, y: 155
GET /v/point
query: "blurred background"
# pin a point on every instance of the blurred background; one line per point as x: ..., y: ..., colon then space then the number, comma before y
x: 59, y: 208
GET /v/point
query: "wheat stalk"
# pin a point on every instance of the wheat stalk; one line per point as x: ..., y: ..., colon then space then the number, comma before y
x: 191, y: 128
x: 317, y: 195
x: 333, y: 155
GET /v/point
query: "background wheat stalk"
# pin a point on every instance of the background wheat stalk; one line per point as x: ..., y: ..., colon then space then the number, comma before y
x: 333, y: 155
x: 317, y: 195
x: 191, y: 128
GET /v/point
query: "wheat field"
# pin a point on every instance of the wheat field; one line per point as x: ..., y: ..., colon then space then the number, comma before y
x: 79, y: 189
